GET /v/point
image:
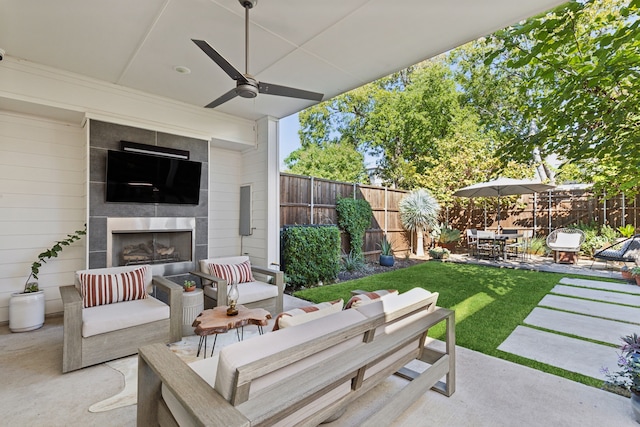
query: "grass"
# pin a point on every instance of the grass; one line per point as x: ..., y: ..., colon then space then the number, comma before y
x: 489, y: 302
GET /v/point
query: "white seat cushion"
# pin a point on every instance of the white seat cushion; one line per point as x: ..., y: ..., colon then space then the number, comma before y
x: 111, y: 317
x: 249, y: 292
x: 567, y: 241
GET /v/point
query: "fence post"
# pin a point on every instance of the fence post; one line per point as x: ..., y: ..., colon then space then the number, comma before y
x: 549, y: 211
x: 386, y: 212
x: 311, y: 201
x: 535, y: 213
x: 623, y: 210
x: 604, y: 208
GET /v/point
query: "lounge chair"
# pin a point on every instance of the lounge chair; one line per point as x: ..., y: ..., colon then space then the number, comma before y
x: 565, y: 244
x: 627, y: 250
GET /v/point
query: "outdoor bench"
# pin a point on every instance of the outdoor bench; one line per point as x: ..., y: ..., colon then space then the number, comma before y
x: 304, y: 374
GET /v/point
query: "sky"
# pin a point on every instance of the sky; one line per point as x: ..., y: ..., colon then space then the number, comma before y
x: 288, y: 137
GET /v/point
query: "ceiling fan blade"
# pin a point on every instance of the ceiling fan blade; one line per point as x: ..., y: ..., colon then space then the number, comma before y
x: 218, y: 59
x: 224, y: 98
x: 271, y: 89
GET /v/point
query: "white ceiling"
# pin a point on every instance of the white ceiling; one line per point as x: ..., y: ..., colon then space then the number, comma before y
x: 327, y: 46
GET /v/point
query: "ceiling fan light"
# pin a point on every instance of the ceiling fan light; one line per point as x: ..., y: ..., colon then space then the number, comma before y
x: 247, y: 91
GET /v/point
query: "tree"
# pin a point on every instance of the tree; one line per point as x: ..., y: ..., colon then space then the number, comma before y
x: 582, y: 66
x: 419, y: 212
x: 334, y: 161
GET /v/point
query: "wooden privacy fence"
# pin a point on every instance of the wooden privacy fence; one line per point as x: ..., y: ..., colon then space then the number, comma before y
x: 308, y: 200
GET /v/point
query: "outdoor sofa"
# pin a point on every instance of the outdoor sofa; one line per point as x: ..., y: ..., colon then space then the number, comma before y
x: 303, y: 374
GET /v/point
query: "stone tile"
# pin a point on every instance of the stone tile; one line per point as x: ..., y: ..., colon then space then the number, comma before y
x: 592, y: 308
x: 597, y: 295
x: 598, y: 284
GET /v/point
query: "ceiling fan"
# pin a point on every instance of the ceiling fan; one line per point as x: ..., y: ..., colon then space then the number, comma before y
x: 246, y: 85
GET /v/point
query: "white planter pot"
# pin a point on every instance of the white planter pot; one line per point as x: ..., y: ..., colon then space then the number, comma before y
x: 26, y: 311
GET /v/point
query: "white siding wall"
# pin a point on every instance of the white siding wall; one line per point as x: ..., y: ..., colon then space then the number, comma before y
x: 42, y: 199
x: 225, y: 167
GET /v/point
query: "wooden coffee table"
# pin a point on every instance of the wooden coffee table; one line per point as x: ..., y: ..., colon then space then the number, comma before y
x: 215, y: 321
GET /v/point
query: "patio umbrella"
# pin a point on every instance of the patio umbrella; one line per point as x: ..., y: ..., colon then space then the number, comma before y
x: 502, y: 187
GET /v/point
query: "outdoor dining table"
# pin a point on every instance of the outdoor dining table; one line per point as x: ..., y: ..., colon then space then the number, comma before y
x: 501, y: 240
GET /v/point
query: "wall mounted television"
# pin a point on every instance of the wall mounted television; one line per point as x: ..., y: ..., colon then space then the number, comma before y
x: 145, y: 178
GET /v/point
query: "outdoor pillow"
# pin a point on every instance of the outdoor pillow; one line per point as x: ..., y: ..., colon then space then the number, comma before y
x: 233, y: 273
x: 368, y: 297
x: 101, y: 289
x: 298, y: 316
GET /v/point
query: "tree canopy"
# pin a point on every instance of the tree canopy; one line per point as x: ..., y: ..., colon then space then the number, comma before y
x: 560, y: 85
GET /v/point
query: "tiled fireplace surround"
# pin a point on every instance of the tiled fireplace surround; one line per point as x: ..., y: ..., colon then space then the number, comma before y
x: 107, y: 136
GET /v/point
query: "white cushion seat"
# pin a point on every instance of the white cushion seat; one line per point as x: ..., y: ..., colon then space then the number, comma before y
x: 249, y: 292
x: 567, y: 242
x: 112, y: 317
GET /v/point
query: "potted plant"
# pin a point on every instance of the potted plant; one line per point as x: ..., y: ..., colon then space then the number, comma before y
x: 26, y: 308
x: 386, y: 253
x: 635, y: 273
x: 439, y: 253
x: 189, y: 286
x: 626, y: 381
x: 626, y: 273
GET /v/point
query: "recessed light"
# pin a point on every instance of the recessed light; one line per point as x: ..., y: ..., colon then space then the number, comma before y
x: 181, y: 69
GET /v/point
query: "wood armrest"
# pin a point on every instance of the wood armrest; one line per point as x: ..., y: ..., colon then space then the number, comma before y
x: 72, y: 331
x: 174, y: 295
x: 157, y: 365
x: 221, y: 286
x: 70, y: 295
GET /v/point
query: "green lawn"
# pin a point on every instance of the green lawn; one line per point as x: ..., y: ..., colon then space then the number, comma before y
x: 489, y: 302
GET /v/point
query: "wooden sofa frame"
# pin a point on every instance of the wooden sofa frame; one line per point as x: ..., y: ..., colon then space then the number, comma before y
x: 273, y: 305
x: 79, y: 352
x: 157, y: 366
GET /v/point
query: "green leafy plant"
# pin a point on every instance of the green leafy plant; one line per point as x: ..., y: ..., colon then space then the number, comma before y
x: 352, y: 263
x: 48, y: 254
x: 189, y: 284
x: 385, y: 246
x: 449, y: 235
x: 538, y: 246
x: 310, y: 254
x: 354, y: 217
x: 439, y: 253
x: 635, y: 271
x: 627, y: 231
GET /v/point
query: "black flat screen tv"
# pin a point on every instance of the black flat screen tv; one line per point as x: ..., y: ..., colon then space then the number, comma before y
x: 143, y: 178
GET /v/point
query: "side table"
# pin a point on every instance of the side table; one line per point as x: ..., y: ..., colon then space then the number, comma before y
x: 192, y: 306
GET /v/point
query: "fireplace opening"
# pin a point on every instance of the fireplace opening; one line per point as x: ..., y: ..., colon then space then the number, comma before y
x: 152, y: 247
x: 155, y: 241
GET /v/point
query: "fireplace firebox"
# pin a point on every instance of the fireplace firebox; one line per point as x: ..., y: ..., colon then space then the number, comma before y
x: 168, y: 244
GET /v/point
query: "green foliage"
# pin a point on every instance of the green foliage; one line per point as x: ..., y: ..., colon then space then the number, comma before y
x: 445, y: 234
x: 354, y: 217
x: 335, y: 161
x: 48, y: 254
x: 188, y: 284
x: 385, y: 246
x: 596, y: 237
x: 414, y: 122
x: 627, y: 231
x: 311, y: 254
x: 489, y: 302
x: 439, y: 253
x: 538, y: 246
x: 577, y: 69
x: 351, y: 263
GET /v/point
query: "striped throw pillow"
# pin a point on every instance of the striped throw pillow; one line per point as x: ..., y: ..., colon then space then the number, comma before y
x: 368, y: 297
x: 101, y: 289
x: 232, y: 273
x: 301, y: 315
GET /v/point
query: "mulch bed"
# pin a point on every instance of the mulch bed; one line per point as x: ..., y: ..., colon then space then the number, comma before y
x: 375, y: 268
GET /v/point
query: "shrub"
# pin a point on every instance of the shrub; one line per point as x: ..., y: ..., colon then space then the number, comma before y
x: 352, y: 263
x: 354, y: 217
x: 311, y: 254
x: 439, y: 253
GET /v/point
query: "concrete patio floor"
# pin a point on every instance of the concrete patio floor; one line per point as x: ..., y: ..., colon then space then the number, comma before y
x: 489, y: 391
